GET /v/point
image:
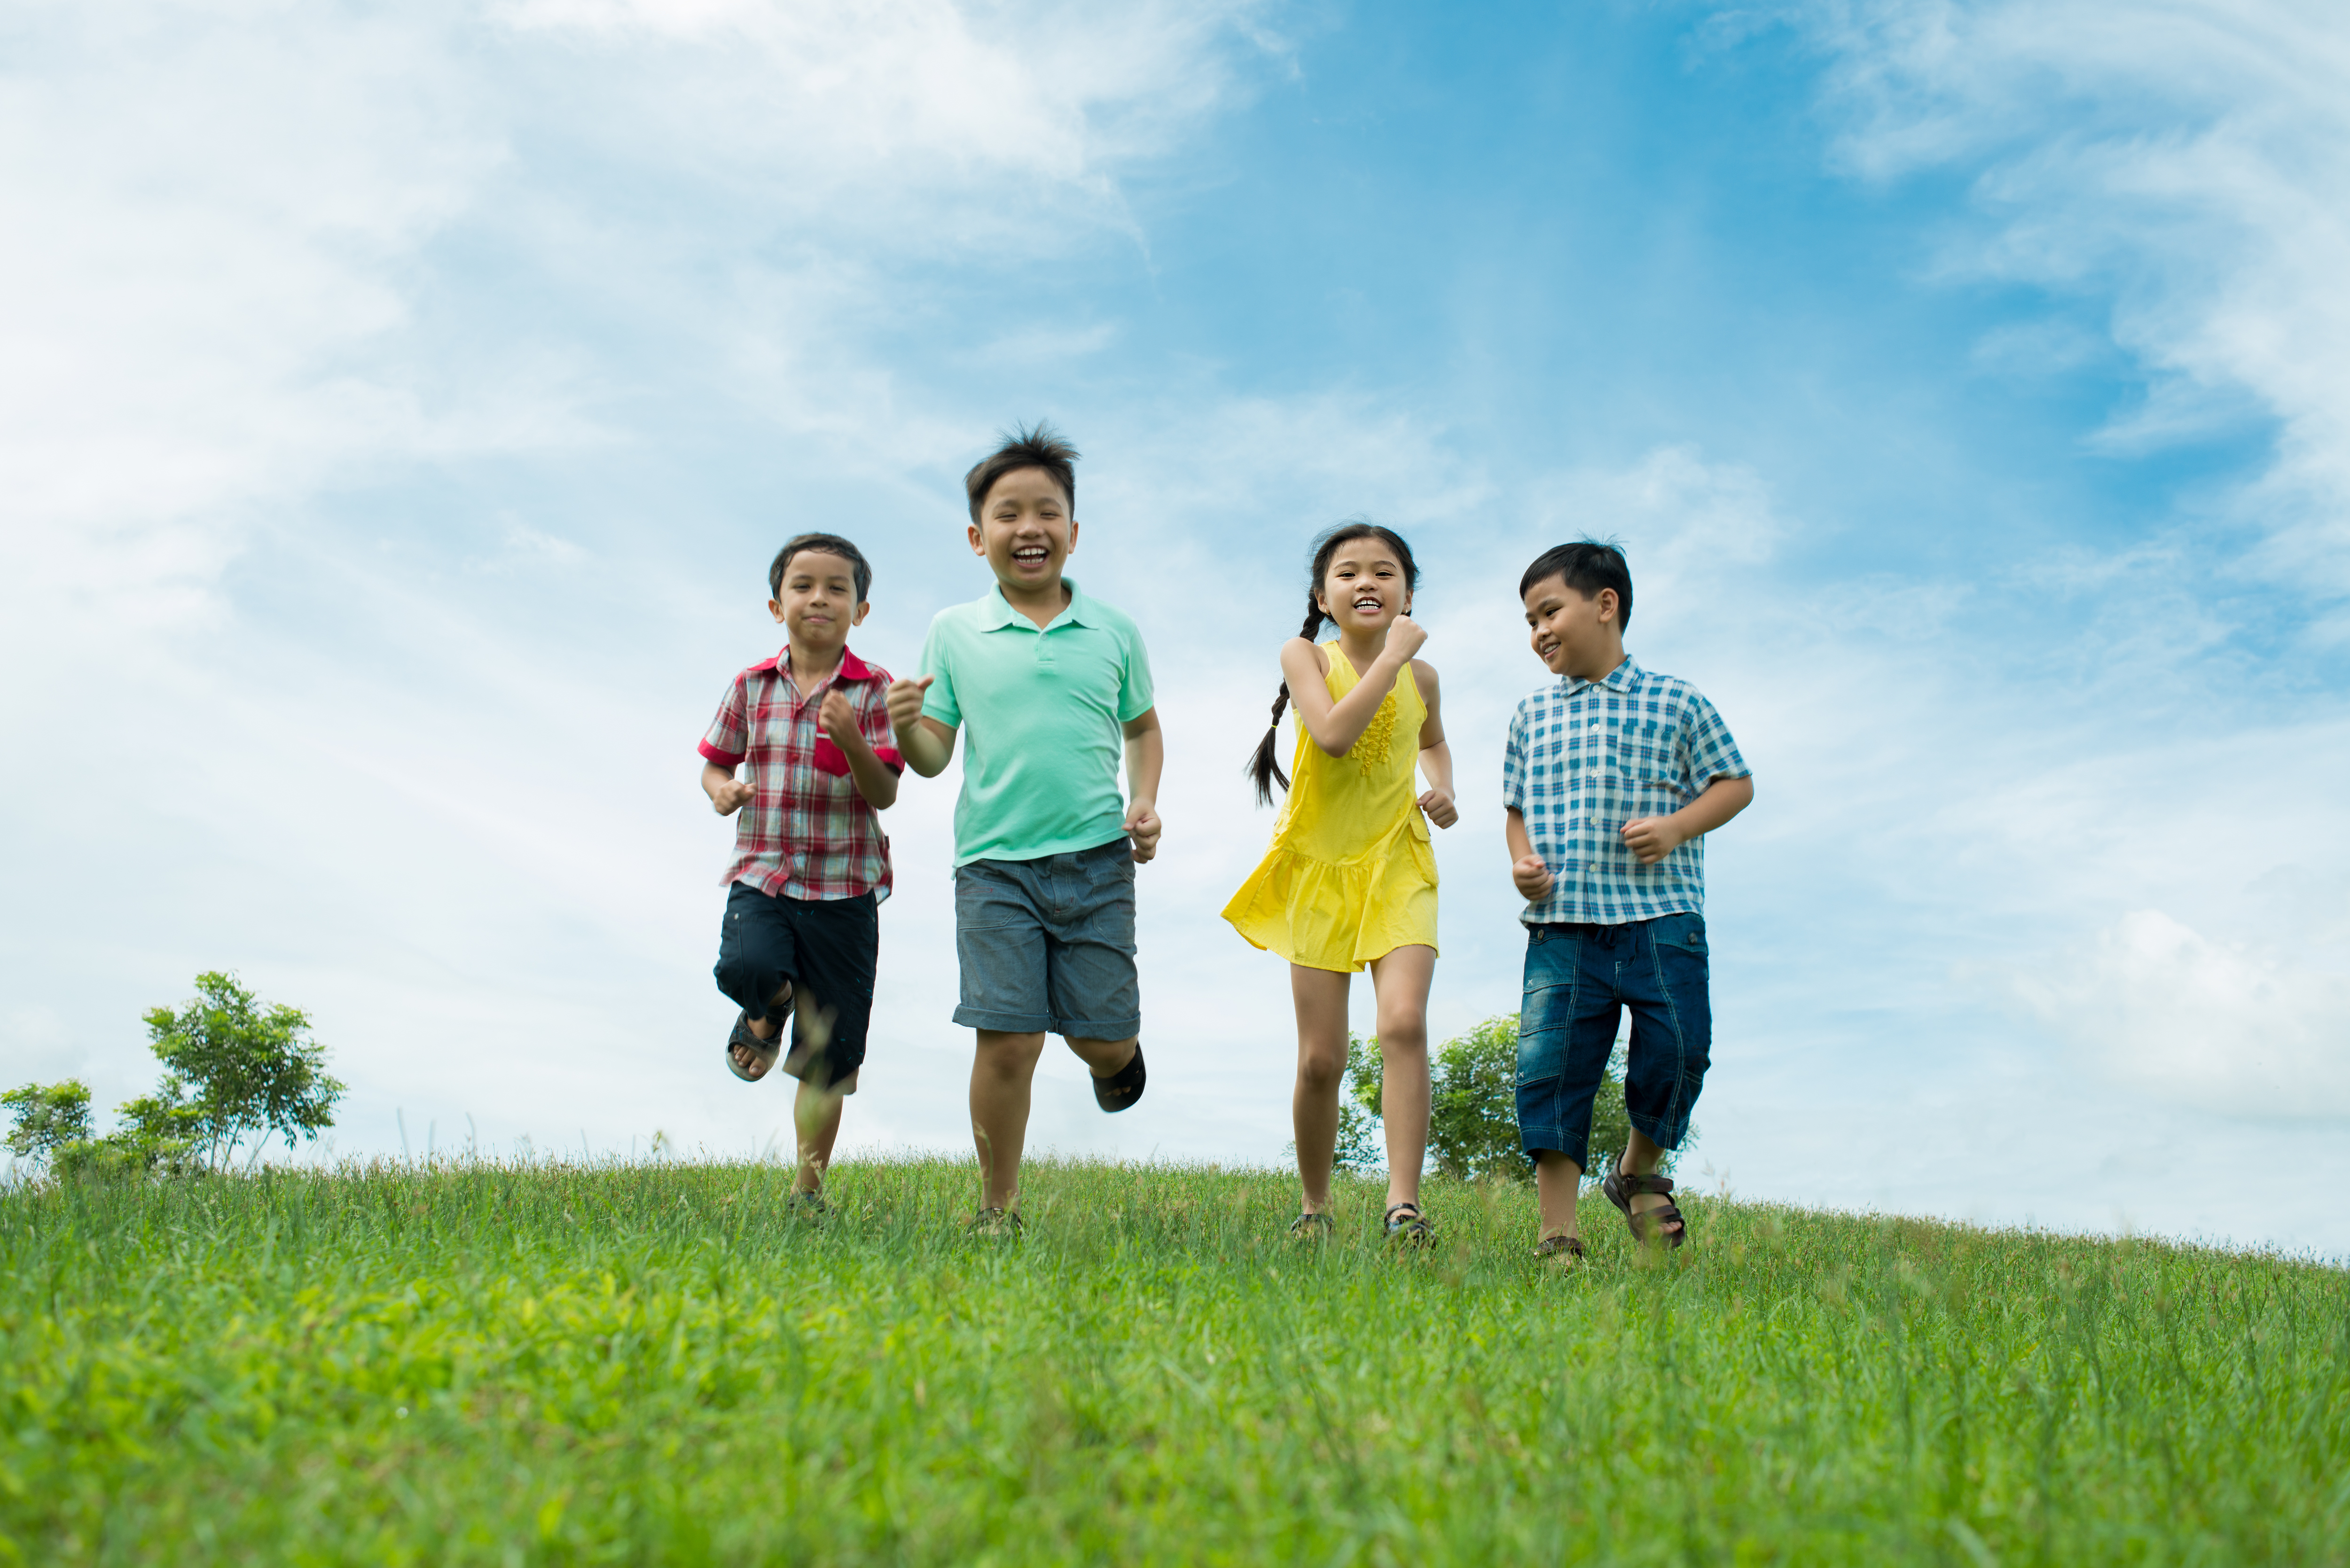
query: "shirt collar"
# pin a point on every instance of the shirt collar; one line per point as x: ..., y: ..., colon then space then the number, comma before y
x: 851, y: 667
x: 1619, y: 680
x: 996, y: 612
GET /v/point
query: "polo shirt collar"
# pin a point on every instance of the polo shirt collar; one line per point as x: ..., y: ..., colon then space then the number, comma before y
x: 1619, y: 680
x: 996, y: 612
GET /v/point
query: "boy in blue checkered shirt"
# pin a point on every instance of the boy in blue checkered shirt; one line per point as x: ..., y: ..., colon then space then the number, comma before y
x: 1612, y: 776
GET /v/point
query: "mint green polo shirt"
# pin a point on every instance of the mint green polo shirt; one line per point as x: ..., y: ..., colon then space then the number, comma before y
x: 1043, y: 715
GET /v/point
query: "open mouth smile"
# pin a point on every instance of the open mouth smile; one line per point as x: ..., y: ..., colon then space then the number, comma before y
x: 1367, y: 606
x: 1030, y: 554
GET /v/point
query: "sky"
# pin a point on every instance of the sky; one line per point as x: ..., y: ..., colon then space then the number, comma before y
x: 401, y: 406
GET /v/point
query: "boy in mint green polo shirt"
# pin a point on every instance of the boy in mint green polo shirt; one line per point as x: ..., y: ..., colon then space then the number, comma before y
x: 1053, y: 688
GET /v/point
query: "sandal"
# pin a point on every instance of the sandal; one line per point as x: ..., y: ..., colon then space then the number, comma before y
x: 809, y: 1206
x: 1310, y: 1226
x: 998, y: 1222
x: 1560, y: 1247
x: 1647, y: 1224
x: 766, y: 1049
x: 1123, y: 1087
x: 1413, y: 1232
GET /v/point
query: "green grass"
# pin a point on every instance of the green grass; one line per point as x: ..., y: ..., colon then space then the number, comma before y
x: 647, y: 1364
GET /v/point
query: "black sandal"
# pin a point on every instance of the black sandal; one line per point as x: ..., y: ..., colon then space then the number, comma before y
x: 1310, y: 1226
x: 1123, y: 1087
x: 766, y: 1049
x: 1415, y: 1231
x: 1550, y: 1246
x: 1647, y: 1224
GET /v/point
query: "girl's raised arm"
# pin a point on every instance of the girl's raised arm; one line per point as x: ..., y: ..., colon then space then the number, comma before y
x: 1336, y: 726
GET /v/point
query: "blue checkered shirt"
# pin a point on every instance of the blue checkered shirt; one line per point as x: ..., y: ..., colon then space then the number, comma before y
x: 1585, y: 758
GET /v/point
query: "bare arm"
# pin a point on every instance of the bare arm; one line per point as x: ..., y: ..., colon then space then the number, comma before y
x: 1435, y: 756
x: 1146, y: 759
x: 1336, y: 726
x: 872, y: 776
x: 1526, y: 868
x: 726, y: 792
x: 926, y: 744
x: 1651, y: 839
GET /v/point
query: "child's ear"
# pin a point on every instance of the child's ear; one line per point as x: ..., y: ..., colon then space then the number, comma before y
x: 978, y: 541
x: 857, y: 617
x: 775, y: 609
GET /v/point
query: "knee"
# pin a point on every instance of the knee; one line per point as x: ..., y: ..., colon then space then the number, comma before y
x: 1403, y: 1033
x: 1008, y: 1056
x: 1319, y: 1073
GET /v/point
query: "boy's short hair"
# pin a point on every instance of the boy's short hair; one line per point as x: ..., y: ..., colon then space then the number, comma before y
x: 1586, y: 565
x: 1028, y: 446
x: 823, y: 545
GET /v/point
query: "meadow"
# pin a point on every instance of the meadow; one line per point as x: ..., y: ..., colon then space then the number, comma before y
x: 650, y: 1363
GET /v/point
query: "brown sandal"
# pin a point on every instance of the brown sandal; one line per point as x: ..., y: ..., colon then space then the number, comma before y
x: 1563, y: 1246
x: 1647, y: 1224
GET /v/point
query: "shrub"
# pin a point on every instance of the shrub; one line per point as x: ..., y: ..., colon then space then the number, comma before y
x: 235, y: 1071
x: 1472, y: 1111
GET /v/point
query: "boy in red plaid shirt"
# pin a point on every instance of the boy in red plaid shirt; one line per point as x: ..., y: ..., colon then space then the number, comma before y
x: 811, y: 863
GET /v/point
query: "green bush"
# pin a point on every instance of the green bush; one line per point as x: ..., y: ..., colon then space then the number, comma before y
x: 1472, y: 1109
x: 235, y: 1071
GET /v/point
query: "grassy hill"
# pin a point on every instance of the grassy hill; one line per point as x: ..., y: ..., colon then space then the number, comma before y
x: 558, y: 1365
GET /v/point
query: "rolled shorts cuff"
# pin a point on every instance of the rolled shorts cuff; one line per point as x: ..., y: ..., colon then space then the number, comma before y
x: 1657, y: 1130
x: 1098, y: 1029
x: 1005, y: 1023
x: 1534, y: 1140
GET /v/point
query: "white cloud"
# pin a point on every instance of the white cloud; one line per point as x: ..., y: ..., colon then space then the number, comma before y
x: 2190, y: 160
x: 2211, y: 1025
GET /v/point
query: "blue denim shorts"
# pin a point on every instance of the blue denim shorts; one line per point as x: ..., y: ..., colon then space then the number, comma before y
x: 1580, y: 979
x: 1047, y: 946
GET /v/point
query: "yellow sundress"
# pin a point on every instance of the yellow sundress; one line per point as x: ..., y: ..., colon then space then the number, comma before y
x: 1350, y: 875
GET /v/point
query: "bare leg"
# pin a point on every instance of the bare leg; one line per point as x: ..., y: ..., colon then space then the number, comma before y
x: 1641, y: 1159
x: 1401, y: 980
x: 1558, y: 1180
x: 816, y: 1117
x: 1105, y: 1058
x: 1320, y: 996
x: 1001, y: 1073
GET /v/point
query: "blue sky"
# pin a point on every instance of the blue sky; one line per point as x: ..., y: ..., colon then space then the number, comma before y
x: 403, y: 405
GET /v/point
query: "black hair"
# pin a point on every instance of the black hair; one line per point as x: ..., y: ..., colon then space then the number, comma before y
x: 1028, y: 446
x: 823, y: 545
x: 1586, y: 566
x: 1263, y: 769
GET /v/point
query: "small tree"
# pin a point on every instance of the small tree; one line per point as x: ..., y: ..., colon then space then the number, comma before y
x: 251, y: 1073
x: 1472, y: 1111
x: 47, y: 1117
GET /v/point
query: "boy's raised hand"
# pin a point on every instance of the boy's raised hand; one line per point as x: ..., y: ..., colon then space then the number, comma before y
x: 1650, y: 838
x: 730, y: 797
x: 839, y: 718
x: 1142, y: 827
x: 1533, y: 878
x: 905, y: 702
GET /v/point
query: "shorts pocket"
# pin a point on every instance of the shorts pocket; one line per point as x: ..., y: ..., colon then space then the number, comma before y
x: 986, y: 901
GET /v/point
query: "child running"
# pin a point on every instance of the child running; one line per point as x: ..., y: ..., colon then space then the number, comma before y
x: 1612, y: 776
x: 1350, y: 878
x: 811, y: 863
x: 1053, y: 688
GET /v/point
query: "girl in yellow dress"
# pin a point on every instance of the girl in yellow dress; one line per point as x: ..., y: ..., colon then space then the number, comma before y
x: 1350, y: 879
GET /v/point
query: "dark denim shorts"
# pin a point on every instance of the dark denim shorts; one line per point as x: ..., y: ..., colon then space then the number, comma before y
x: 1048, y: 945
x: 827, y: 948
x: 1579, y: 978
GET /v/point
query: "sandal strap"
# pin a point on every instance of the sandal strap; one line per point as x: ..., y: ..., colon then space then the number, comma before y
x: 1396, y: 1209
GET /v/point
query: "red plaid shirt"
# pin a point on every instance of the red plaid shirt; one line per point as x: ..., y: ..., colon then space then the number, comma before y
x: 805, y: 833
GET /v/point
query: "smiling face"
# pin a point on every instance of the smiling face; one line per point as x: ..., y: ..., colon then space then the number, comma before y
x: 1026, y: 531
x: 818, y: 601
x: 1365, y: 589
x: 1572, y: 635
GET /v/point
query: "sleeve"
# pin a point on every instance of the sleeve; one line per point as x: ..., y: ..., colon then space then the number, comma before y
x: 729, y: 739
x: 1135, y: 695
x: 940, y: 703
x: 1513, y: 764
x: 1707, y: 750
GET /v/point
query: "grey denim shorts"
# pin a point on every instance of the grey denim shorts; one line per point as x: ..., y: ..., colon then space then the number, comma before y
x: 1048, y: 945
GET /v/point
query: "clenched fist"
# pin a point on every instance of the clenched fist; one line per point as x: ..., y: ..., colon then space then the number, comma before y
x: 905, y: 702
